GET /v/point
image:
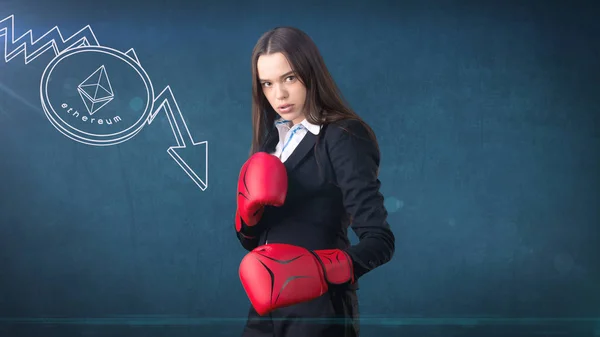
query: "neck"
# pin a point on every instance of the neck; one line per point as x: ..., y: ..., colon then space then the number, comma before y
x: 298, y: 120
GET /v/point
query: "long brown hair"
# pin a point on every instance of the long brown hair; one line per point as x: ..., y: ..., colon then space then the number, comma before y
x: 324, y: 103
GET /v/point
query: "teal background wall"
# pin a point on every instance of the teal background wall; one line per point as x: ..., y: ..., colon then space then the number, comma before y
x: 487, y: 115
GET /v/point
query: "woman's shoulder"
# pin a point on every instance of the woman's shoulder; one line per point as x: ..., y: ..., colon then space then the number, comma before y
x: 348, y: 129
x: 352, y: 142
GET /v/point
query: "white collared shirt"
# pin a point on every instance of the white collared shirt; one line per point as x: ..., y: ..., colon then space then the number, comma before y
x: 290, y: 136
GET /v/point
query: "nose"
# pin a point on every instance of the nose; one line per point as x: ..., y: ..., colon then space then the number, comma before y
x: 280, y: 92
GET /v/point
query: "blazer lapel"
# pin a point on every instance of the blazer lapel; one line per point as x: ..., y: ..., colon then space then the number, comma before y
x: 301, y: 151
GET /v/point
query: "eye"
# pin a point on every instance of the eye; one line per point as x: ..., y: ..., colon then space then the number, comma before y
x: 266, y: 84
x: 290, y: 78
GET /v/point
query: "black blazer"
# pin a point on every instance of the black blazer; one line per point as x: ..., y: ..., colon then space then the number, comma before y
x: 332, y: 185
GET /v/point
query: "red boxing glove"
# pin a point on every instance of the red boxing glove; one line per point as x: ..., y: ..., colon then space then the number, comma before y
x: 278, y: 275
x: 262, y: 181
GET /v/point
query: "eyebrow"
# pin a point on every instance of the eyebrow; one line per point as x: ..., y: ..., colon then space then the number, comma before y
x: 284, y: 75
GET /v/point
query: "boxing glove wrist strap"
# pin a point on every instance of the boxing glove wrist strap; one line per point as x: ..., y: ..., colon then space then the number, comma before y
x: 337, y: 265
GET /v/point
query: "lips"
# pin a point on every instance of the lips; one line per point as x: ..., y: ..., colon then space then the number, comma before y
x: 285, y: 108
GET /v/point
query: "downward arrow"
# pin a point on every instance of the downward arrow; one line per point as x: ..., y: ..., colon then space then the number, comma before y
x: 166, y: 101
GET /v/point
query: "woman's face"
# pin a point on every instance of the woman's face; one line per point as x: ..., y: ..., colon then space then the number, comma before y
x: 282, y: 87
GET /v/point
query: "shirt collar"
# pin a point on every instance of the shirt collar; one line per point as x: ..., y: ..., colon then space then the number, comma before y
x: 313, y: 128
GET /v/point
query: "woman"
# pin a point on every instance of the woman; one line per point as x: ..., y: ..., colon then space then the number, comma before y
x: 312, y: 174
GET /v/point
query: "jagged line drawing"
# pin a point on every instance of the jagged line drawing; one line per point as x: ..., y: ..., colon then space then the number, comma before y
x: 165, y: 101
x: 52, y: 39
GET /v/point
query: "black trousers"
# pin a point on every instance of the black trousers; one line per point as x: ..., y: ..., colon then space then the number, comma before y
x: 334, y: 314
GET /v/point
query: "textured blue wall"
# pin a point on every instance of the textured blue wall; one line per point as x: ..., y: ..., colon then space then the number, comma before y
x: 487, y: 115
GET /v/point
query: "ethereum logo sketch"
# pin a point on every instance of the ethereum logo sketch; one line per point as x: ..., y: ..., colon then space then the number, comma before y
x: 96, y: 91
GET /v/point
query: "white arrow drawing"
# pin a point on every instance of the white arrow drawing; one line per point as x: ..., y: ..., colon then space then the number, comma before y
x: 166, y: 101
x: 53, y: 40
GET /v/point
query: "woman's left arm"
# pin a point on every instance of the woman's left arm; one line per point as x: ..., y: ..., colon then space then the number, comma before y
x: 355, y: 160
